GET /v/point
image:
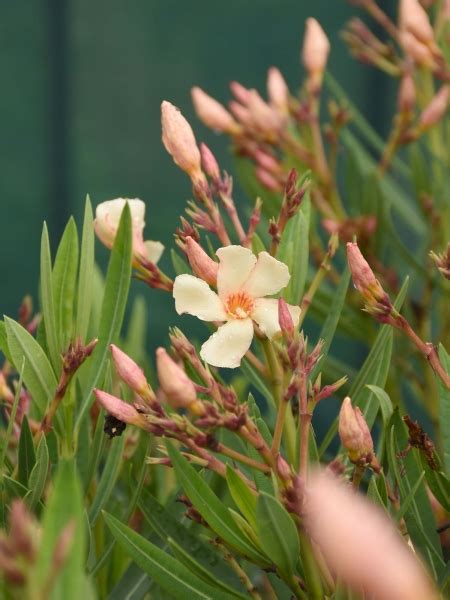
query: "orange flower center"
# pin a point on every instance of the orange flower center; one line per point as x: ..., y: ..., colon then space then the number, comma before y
x: 239, y: 305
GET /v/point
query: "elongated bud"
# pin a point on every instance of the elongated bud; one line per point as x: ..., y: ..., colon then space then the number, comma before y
x: 285, y: 319
x: 268, y: 180
x: 442, y: 261
x: 407, y: 94
x: 277, y: 90
x: 212, y: 113
x: 316, y: 48
x: 413, y: 18
x: 130, y: 372
x: 283, y: 469
x: 436, y: 109
x: 209, y: 163
x: 202, y: 265
x: 119, y: 409
x: 354, y: 433
x: 361, y: 545
x: 177, y: 386
x: 417, y: 51
x: 363, y: 278
x: 179, y: 141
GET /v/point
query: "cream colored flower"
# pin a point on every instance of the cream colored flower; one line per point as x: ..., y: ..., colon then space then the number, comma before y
x: 106, y: 224
x: 242, y: 282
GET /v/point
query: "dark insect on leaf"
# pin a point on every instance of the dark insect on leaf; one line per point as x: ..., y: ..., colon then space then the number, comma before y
x: 113, y: 427
x: 420, y: 440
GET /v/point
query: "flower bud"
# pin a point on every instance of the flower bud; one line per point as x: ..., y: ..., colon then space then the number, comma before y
x: 277, y: 90
x: 406, y: 94
x: 285, y: 319
x: 268, y: 180
x: 177, y: 386
x: 363, y: 278
x: 416, y: 51
x: 107, y: 219
x: 283, y: 469
x: 209, y: 163
x: 354, y: 433
x: 436, y: 109
x: 119, y: 409
x: 129, y: 372
x: 212, y: 113
x: 413, y: 18
x: 360, y: 544
x: 179, y: 141
x: 202, y: 265
x: 316, y: 48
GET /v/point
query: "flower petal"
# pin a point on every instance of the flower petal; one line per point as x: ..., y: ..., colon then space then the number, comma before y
x: 194, y: 296
x: 236, y: 264
x: 227, y: 346
x: 153, y: 250
x: 265, y: 314
x: 268, y: 277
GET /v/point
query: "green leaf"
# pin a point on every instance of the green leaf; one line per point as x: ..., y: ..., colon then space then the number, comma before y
x: 243, y: 497
x: 4, y: 342
x: 385, y: 402
x: 255, y: 379
x: 437, y: 481
x: 277, y: 533
x: 332, y: 320
x: 294, y: 251
x: 38, y: 475
x: 180, y: 266
x: 64, y: 506
x: 166, y: 523
x: 38, y: 374
x: 48, y: 302
x: 108, y: 478
x: 195, y: 567
x: 419, y: 517
x: 135, y: 340
x: 85, y: 288
x: 113, y: 308
x: 95, y: 450
x: 168, y: 572
x: 27, y: 456
x: 64, y: 281
x: 444, y: 409
x: 210, y: 507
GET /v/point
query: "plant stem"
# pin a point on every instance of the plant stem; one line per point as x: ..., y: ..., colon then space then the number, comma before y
x: 245, y: 579
x: 235, y: 455
x: 304, y: 427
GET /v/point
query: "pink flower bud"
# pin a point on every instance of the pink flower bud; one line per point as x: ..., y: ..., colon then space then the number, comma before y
x: 416, y: 50
x: 177, y: 386
x: 354, y: 433
x: 240, y: 92
x: 209, y: 163
x: 413, y: 18
x: 436, y: 109
x: 129, y: 372
x: 179, y: 141
x: 285, y: 318
x: 277, y: 90
x: 212, y: 113
x: 202, y: 265
x: 268, y: 180
x: 363, y: 278
x: 406, y: 94
x: 361, y: 545
x: 316, y: 48
x: 121, y: 410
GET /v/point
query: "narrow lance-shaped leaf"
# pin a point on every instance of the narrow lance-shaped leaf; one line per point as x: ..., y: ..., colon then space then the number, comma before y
x: 115, y: 297
x: 64, y: 284
x: 27, y: 455
x: 166, y: 570
x: 85, y: 288
x: 48, y: 302
x: 444, y: 410
x: 38, y: 374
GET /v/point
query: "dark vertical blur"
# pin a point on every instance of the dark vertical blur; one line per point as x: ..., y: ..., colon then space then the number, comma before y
x: 82, y: 83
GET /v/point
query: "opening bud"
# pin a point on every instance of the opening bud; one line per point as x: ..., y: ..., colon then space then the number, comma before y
x: 354, y: 433
x: 202, y: 265
x: 178, y: 388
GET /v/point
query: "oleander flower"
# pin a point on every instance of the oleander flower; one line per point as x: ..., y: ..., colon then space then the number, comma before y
x: 106, y: 224
x: 243, y: 281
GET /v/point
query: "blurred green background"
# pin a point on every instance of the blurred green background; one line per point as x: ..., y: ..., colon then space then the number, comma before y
x: 79, y: 109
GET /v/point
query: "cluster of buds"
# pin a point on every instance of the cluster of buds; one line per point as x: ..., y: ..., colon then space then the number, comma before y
x: 146, y: 254
x: 442, y: 262
x: 20, y: 547
x: 356, y: 437
x: 294, y: 192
